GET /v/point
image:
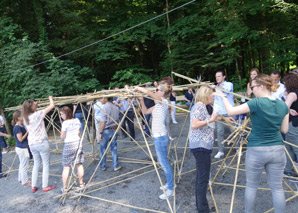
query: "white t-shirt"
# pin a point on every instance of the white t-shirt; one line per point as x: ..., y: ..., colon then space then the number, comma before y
x: 36, y: 127
x: 280, y: 92
x: 72, y: 129
x: 159, y: 114
x: 2, y: 121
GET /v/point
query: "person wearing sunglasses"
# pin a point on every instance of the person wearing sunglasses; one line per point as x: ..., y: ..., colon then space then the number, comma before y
x: 265, y: 150
x: 159, y: 131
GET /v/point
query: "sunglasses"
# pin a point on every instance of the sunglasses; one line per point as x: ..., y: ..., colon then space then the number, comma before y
x: 252, y: 87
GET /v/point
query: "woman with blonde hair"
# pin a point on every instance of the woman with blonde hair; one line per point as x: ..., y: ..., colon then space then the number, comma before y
x: 201, y: 139
x: 159, y: 131
x: 265, y: 150
x: 38, y: 140
x: 254, y: 72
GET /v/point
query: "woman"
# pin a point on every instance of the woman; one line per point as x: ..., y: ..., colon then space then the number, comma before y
x: 189, y: 98
x: 38, y: 141
x: 269, y: 117
x: 201, y: 139
x: 72, y: 151
x: 254, y: 72
x: 291, y: 84
x: 20, y: 135
x: 159, y: 131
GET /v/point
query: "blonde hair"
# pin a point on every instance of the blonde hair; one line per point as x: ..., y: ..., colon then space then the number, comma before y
x: 165, y: 87
x: 203, y: 93
x: 27, y: 110
x: 266, y: 81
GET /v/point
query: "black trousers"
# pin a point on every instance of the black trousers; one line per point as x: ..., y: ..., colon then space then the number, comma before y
x: 130, y: 124
x: 203, y: 164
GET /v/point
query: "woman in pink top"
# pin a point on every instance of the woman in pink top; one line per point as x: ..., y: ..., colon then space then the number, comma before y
x: 38, y: 140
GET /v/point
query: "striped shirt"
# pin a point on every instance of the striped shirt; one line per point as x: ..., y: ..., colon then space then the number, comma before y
x: 159, y: 118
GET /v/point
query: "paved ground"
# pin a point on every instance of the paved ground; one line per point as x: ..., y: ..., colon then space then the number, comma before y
x: 139, y: 191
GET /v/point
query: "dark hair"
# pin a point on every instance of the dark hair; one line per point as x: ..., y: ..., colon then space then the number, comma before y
x: 222, y: 72
x: 67, y: 111
x: 291, y: 82
x: 110, y: 99
x: 266, y: 81
x: 275, y: 72
x: 15, y: 117
x: 27, y: 109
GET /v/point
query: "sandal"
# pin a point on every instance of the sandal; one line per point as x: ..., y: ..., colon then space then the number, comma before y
x: 34, y: 189
x: 82, y: 186
x: 27, y: 184
x: 49, y: 188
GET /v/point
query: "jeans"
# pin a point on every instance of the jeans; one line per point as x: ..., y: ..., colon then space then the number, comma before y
x: 80, y: 116
x: 107, y: 135
x: 161, y: 148
x: 203, y: 164
x: 0, y: 163
x: 189, y: 104
x: 147, y: 117
x: 292, y: 137
x: 221, y: 129
x: 2, y: 140
x: 273, y: 160
x: 24, y: 163
x: 130, y: 124
x: 40, y: 152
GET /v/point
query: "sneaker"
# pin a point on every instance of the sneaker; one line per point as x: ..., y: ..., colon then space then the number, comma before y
x: 49, y: 188
x: 238, y: 153
x: 175, y: 122
x: 169, y: 194
x: 4, y: 152
x: 3, y: 175
x: 219, y: 155
x: 166, y: 187
x: 103, y: 169
x: 118, y: 168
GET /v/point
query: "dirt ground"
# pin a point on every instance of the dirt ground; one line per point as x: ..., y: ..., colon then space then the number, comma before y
x: 137, y: 189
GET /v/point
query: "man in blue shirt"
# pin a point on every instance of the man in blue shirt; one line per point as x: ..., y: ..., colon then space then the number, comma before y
x: 220, y: 109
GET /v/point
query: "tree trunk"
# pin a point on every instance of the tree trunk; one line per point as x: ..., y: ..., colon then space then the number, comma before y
x: 168, y: 43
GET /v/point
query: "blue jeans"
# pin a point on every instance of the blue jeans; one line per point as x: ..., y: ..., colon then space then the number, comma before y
x: 130, y: 124
x: 292, y: 137
x: 80, y: 116
x: 161, y: 148
x: 2, y: 140
x: 203, y: 164
x: 107, y: 135
x: 0, y: 163
x: 189, y: 104
x: 273, y: 160
x: 147, y: 117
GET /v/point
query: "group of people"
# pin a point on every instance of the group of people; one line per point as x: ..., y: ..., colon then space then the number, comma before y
x: 272, y: 109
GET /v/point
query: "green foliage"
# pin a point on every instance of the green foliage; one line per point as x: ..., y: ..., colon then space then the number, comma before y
x: 11, y: 141
x: 132, y: 76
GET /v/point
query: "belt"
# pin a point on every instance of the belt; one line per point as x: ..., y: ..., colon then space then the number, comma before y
x: 113, y: 127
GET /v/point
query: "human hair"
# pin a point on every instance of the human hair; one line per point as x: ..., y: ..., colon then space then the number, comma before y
x: 27, y: 109
x: 275, y: 72
x: 295, y: 71
x: 266, y: 81
x: 255, y: 70
x: 165, y: 87
x: 291, y: 82
x: 203, y: 93
x: 67, y: 111
x: 15, y: 117
x: 222, y: 72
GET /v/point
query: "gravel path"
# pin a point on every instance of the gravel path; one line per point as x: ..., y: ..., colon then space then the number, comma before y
x: 141, y: 191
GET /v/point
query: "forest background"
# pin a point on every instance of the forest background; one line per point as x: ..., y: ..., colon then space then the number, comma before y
x: 196, y: 40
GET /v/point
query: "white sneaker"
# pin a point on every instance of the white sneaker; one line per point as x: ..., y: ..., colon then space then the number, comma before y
x: 175, y: 122
x: 169, y: 193
x: 166, y: 186
x: 219, y: 155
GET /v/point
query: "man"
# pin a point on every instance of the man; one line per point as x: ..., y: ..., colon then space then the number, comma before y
x: 124, y: 105
x: 189, y: 98
x: 280, y: 92
x: 220, y: 109
x: 98, y: 106
x: 107, y: 129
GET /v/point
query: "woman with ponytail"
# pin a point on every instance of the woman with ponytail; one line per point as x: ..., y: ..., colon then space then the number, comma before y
x: 265, y: 150
x: 159, y: 131
x: 20, y: 134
